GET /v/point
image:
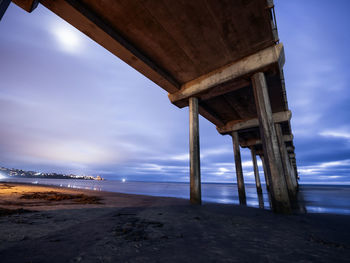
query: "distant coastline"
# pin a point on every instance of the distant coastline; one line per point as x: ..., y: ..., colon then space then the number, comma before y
x: 19, y: 173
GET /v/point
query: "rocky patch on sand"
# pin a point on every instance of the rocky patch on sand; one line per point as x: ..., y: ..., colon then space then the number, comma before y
x: 55, y: 196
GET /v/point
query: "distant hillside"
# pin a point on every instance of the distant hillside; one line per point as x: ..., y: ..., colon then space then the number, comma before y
x: 12, y: 172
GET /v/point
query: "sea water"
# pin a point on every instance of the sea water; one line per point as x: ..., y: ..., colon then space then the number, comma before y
x: 312, y: 198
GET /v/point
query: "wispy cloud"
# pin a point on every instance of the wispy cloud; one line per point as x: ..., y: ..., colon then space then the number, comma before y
x: 216, y: 151
x: 180, y: 157
x: 325, y: 171
x: 336, y: 134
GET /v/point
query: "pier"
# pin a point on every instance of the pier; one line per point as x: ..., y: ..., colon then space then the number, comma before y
x: 222, y: 59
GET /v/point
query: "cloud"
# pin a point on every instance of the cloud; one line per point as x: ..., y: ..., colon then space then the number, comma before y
x: 216, y: 151
x: 180, y: 157
x: 325, y: 171
x: 222, y: 170
x: 336, y: 134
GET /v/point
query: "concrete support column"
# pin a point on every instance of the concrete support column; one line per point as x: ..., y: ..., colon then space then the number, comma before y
x: 266, y: 175
x: 294, y: 178
x: 294, y: 165
x: 195, y: 174
x: 278, y: 188
x: 290, y: 178
x: 239, y: 171
x: 256, y: 170
x: 4, y: 4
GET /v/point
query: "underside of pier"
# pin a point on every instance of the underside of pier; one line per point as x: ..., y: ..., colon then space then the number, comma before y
x: 223, y: 58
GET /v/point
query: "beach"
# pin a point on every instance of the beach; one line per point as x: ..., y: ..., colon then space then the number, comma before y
x: 313, y: 198
x: 52, y: 224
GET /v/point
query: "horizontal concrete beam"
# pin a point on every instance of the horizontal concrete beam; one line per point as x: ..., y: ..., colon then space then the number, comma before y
x: 259, y: 152
x: 270, y: 57
x: 254, y: 142
x: 217, y: 91
x: 231, y: 126
x: 291, y: 155
x: 290, y: 149
x: 28, y: 5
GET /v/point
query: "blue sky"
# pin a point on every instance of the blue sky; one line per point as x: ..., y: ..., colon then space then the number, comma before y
x: 70, y: 106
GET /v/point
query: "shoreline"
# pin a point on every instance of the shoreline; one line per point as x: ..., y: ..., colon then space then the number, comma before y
x: 347, y: 184
x: 324, y: 199
x: 12, y: 198
x: 136, y: 228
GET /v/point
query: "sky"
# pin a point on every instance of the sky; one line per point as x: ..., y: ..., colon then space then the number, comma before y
x: 69, y: 106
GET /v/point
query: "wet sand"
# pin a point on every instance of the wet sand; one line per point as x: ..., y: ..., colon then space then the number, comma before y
x: 68, y: 225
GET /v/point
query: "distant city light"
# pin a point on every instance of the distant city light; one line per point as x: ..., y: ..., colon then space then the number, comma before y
x: 123, y: 180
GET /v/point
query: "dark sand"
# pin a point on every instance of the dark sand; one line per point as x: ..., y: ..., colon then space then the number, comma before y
x: 112, y: 227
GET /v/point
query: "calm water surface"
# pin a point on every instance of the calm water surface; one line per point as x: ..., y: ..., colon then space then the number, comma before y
x: 314, y: 198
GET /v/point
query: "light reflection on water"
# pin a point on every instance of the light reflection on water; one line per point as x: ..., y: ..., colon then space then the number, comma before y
x: 315, y: 198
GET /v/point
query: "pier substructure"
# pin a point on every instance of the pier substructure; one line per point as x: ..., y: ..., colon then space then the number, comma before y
x: 195, y: 175
x: 294, y: 177
x: 295, y: 170
x: 256, y: 170
x: 28, y: 5
x: 278, y: 188
x: 213, y: 78
x: 266, y: 174
x: 239, y: 171
x: 289, y: 176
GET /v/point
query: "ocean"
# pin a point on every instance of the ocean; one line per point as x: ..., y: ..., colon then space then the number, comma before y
x: 333, y: 199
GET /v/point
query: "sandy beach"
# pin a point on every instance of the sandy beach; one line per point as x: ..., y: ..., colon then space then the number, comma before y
x: 52, y: 224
